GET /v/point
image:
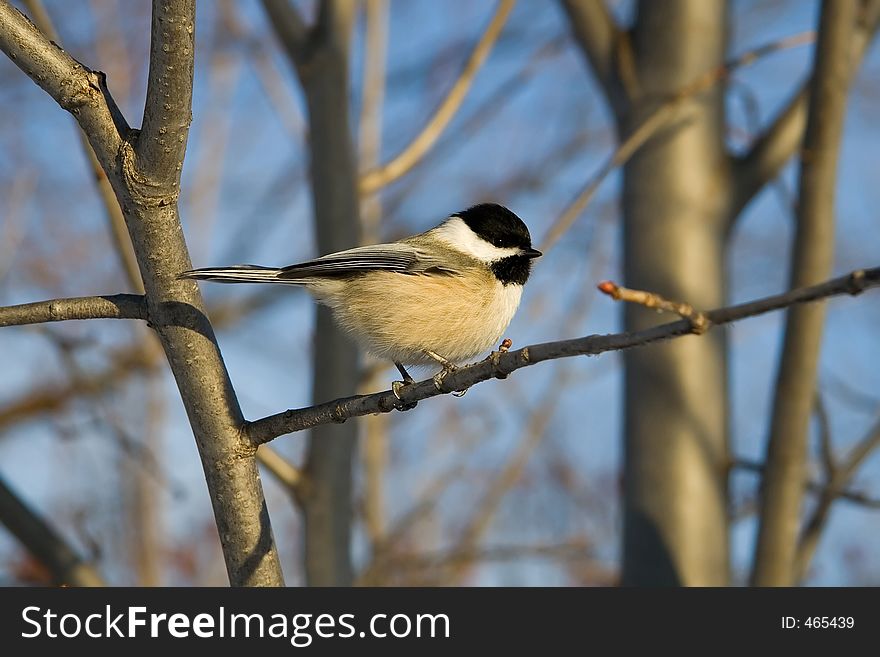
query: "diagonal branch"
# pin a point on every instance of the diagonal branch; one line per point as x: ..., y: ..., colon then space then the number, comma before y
x: 289, y: 26
x: 377, y: 178
x: 818, y: 488
x: 66, y: 566
x: 287, y: 474
x: 117, y: 306
x: 839, y: 479
x: 77, y: 89
x: 605, y: 47
x: 500, y: 365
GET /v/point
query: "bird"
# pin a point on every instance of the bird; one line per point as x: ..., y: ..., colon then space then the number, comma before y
x: 441, y: 297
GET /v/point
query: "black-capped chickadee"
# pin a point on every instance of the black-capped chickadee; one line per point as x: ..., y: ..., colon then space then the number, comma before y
x: 444, y: 296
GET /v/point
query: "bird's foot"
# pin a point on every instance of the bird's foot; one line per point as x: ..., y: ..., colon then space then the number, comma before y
x: 398, y: 386
x: 440, y: 376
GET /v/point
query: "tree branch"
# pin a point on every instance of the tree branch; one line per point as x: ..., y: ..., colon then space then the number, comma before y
x: 289, y: 27
x: 117, y: 306
x: 500, y: 365
x: 600, y: 38
x: 168, y: 110
x: 287, y: 474
x: 66, y: 566
x: 838, y: 479
x: 773, y: 148
x: 815, y: 487
x: 77, y: 89
x: 405, y: 160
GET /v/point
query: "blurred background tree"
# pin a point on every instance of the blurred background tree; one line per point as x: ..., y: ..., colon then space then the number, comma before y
x: 644, y: 469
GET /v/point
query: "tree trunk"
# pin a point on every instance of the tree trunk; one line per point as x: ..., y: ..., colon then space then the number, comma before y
x: 676, y: 209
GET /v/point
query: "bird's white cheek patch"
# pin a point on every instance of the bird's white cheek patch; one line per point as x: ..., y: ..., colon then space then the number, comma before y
x: 457, y: 235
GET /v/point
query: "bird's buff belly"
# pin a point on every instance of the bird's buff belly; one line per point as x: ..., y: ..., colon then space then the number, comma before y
x: 455, y: 318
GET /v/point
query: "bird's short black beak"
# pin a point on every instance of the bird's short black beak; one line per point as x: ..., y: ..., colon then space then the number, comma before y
x: 532, y: 253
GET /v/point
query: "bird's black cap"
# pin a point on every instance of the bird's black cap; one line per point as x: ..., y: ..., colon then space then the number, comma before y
x: 498, y: 226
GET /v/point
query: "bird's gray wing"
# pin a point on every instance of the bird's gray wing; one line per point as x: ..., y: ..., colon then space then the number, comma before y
x: 396, y: 256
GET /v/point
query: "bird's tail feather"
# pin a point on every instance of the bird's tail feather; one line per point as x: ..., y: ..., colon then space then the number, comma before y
x: 239, y: 274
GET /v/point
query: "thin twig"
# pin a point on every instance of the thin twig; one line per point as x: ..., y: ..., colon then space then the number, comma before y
x: 698, y: 319
x: 500, y: 365
x: 839, y: 479
x: 376, y: 178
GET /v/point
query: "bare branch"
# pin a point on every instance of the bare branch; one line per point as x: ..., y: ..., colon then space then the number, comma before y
x: 773, y: 148
x: 770, y: 151
x: 66, y: 566
x: 410, y: 156
x: 269, y: 76
x: 117, y: 306
x: 835, y: 488
x: 815, y: 487
x: 500, y: 365
x: 289, y: 26
x: 77, y: 89
x: 168, y: 110
x: 812, y: 260
x: 604, y: 45
x: 285, y: 472
x: 653, y: 300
